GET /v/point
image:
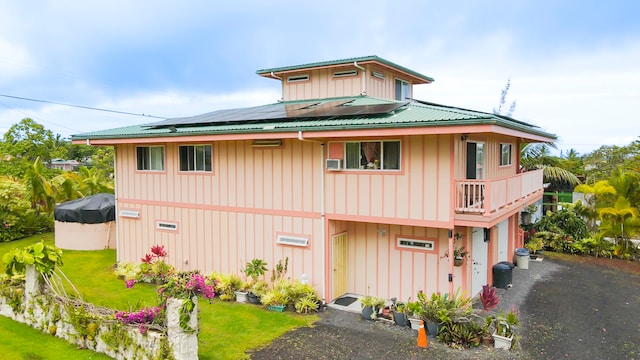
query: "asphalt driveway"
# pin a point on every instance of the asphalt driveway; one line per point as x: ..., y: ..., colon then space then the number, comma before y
x: 571, y: 307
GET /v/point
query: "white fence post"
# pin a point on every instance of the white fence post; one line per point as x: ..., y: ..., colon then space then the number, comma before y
x: 184, y: 343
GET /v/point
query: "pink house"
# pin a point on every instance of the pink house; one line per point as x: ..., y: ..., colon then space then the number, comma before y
x: 363, y: 188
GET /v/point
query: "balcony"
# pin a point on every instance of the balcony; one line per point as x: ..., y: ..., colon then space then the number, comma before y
x: 491, y: 197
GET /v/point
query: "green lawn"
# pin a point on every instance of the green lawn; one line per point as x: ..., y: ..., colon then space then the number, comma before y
x: 227, y: 330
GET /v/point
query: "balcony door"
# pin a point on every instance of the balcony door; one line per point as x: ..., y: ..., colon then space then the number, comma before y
x: 475, y: 160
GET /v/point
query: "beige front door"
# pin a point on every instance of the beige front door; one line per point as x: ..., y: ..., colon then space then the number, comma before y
x: 339, y: 265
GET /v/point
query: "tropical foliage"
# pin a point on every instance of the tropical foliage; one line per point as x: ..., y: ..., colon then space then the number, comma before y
x: 30, y: 188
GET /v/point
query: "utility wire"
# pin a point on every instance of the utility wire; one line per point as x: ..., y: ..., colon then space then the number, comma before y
x: 80, y: 106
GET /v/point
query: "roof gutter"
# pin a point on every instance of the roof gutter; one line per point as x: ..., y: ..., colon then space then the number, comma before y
x: 364, y: 77
x: 276, y: 76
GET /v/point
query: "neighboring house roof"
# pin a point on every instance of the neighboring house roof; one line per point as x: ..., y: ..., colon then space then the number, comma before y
x: 272, y: 118
x: 420, y: 78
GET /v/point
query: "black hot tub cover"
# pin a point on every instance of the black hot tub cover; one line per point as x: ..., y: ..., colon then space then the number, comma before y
x: 94, y: 209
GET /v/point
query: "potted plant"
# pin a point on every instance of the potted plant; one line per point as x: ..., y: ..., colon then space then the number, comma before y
x: 487, y: 337
x: 534, y: 245
x: 258, y: 289
x: 371, y: 305
x: 254, y: 270
x: 459, y: 254
x: 505, y: 327
x: 400, y: 313
x: 416, y: 311
x: 279, y: 297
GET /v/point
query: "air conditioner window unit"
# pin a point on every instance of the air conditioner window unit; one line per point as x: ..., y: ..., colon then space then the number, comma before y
x: 334, y: 164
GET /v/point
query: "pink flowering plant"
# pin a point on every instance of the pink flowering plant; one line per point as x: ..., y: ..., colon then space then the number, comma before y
x: 143, y: 318
x: 185, y: 286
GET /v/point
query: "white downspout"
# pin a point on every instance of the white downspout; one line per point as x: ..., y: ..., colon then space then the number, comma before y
x: 276, y: 76
x: 115, y: 193
x: 322, y: 215
x: 364, y: 77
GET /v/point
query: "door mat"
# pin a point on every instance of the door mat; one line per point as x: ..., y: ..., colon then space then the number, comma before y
x: 345, y: 301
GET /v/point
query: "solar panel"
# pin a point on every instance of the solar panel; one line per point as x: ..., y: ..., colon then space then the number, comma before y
x: 297, y: 111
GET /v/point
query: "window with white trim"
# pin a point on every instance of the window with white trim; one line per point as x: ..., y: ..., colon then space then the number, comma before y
x: 416, y: 244
x: 372, y: 155
x: 505, y: 154
x: 150, y: 158
x: 403, y: 90
x: 195, y: 157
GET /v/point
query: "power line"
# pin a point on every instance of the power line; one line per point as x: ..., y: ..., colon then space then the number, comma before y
x: 80, y: 106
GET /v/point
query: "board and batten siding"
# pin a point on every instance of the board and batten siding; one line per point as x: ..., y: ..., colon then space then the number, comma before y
x: 417, y: 194
x: 230, y: 215
x: 376, y: 266
x: 322, y: 84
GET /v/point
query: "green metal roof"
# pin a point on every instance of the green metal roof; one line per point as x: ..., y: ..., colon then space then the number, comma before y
x: 413, y: 114
x: 346, y: 61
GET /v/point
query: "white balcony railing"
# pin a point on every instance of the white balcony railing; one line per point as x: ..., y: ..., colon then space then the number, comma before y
x: 489, y: 196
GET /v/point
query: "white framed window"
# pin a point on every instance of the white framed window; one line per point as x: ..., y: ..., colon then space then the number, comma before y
x: 150, y: 158
x: 195, y: 157
x: 505, y: 154
x: 403, y: 90
x: 416, y: 244
x: 373, y: 155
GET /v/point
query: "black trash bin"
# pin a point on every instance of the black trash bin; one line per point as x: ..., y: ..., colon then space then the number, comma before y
x: 503, y: 274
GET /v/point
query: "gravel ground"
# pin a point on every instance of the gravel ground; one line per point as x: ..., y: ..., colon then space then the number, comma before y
x: 570, y: 307
x: 343, y: 335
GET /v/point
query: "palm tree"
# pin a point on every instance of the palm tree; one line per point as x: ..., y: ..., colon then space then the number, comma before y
x: 94, y: 181
x: 620, y: 222
x: 538, y: 156
x: 593, y: 194
x: 39, y: 189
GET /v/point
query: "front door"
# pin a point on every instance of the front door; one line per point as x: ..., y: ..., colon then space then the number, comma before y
x: 339, y: 264
x: 480, y: 259
x: 475, y: 161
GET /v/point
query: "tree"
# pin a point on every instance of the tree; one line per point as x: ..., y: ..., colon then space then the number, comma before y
x: 594, y: 194
x: 620, y: 222
x: 535, y: 156
x: 503, y: 101
x: 39, y: 189
x: 29, y: 140
x: 538, y: 156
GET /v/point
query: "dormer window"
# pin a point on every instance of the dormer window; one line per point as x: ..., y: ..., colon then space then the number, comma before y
x: 403, y: 90
x: 298, y: 78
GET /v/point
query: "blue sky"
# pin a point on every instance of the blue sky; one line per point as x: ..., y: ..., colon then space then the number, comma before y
x: 574, y: 65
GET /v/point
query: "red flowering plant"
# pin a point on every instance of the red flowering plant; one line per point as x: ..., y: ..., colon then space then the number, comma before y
x: 154, y: 268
